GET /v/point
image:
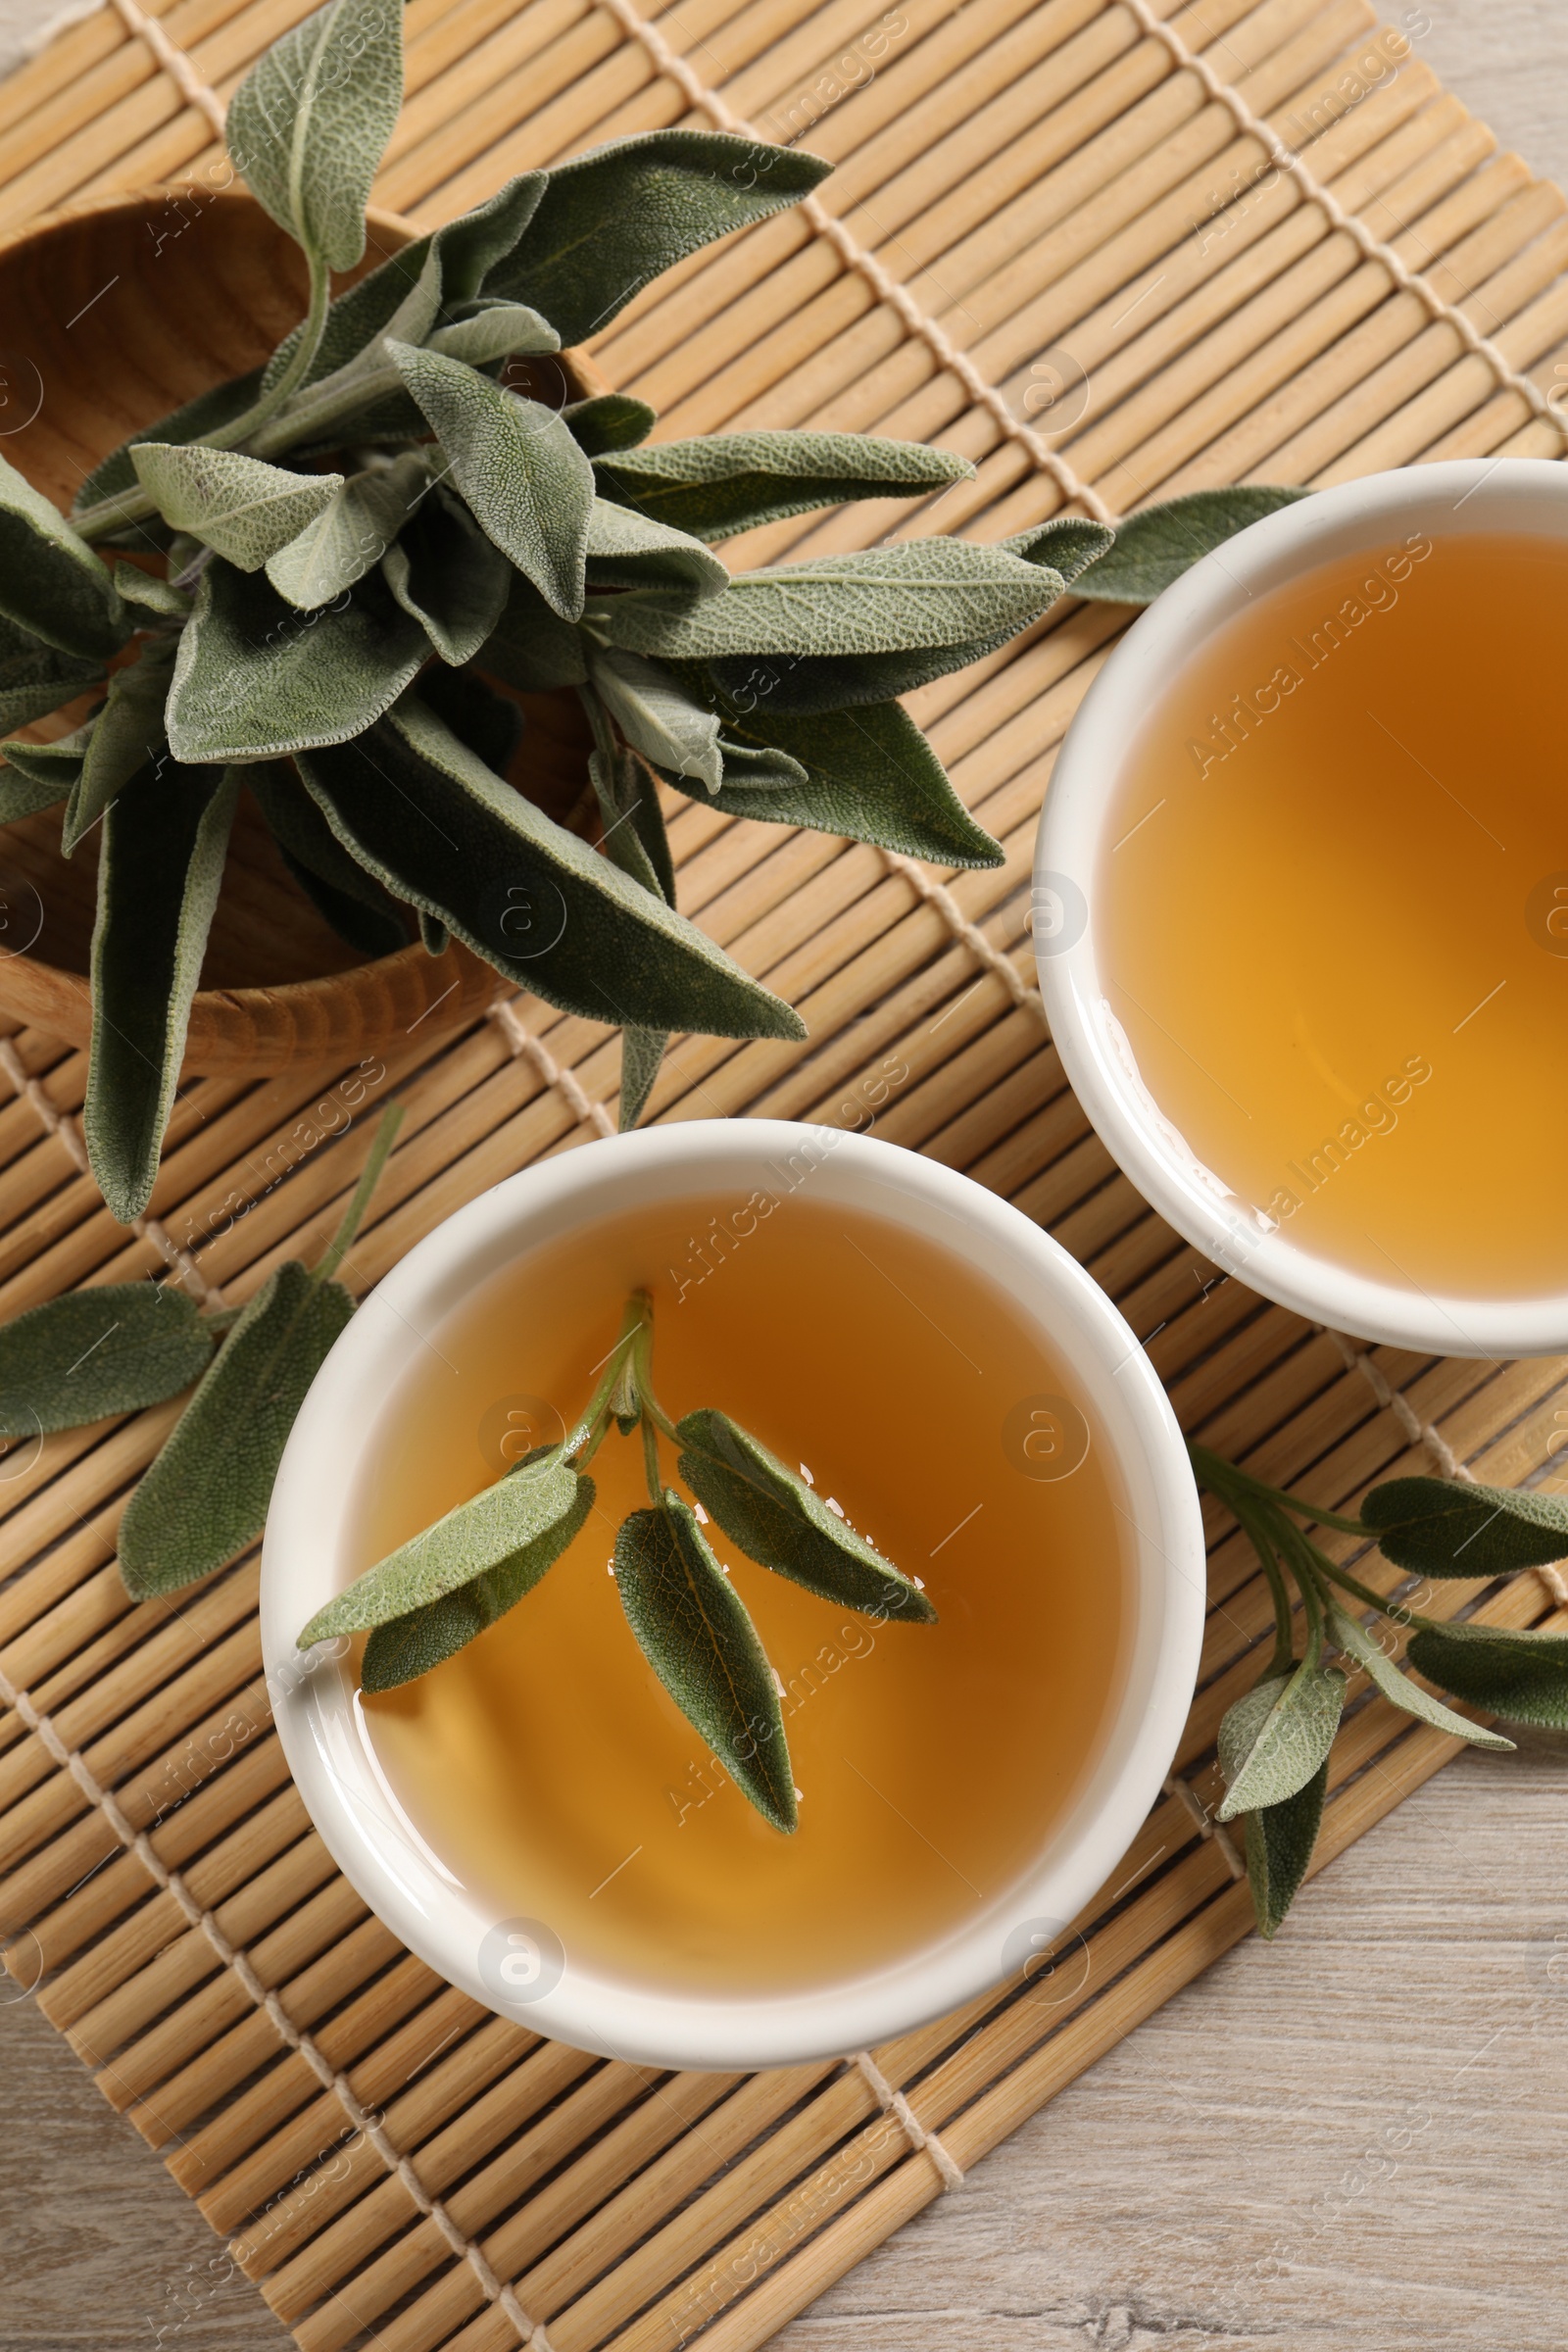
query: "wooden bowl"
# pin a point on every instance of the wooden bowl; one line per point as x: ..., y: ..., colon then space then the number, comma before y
x: 111, y: 314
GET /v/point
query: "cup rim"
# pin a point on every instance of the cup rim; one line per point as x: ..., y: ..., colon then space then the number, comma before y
x: 1457, y: 496
x: 313, y: 1697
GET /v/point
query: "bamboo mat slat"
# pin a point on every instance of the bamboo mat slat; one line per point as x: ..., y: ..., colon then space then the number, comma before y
x: 1240, y: 243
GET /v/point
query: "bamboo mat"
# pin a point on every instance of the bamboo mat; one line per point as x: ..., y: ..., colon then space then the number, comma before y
x: 1063, y: 239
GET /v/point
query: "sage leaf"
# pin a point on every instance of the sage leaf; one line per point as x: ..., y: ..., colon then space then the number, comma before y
x: 352, y: 900
x: 480, y: 1534
x: 39, y: 775
x: 692, y: 1629
x: 1273, y: 1740
x: 1066, y: 545
x: 207, y: 1494
x: 1279, y: 1850
x: 1439, y: 1528
x: 494, y: 333
x: 309, y: 123
x: 254, y: 678
x: 208, y: 413
x: 416, y: 807
x: 729, y: 482
x: 1158, y: 544
x: 525, y: 481
x: 870, y: 776
x: 609, y: 420
x: 127, y: 736
x: 465, y: 249
x: 918, y: 592
x: 776, y: 1518
x: 165, y: 838
x: 490, y: 725
x: 756, y: 769
x: 627, y: 550
x: 448, y: 576
x: 162, y: 597
x: 531, y: 648
x: 350, y: 533
x: 1357, y: 1643
x: 612, y: 221
x: 1522, y: 1677
x: 109, y: 1349
x: 405, y: 1647
x: 642, y: 1055
x: 240, y: 506
x: 37, y: 679
x: 52, y: 585
x: 656, y: 718
x: 622, y: 785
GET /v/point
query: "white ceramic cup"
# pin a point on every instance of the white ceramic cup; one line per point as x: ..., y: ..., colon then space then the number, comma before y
x: 1469, y: 495
x: 308, y: 1560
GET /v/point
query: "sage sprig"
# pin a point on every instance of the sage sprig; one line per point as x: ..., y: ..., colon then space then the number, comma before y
x: 384, y: 522
x: 121, y: 1346
x: 445, y: 1587
x: 1274, y: 1743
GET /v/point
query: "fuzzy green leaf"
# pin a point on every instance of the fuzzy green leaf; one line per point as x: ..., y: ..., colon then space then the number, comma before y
x: 1066, y: 545
x: 405, y: 1647
x: 127, y: 736
x: 1522, y: 1677
x: 1158, y: 544
x: 1441, y: 1528
x: 627, y: 550
x: 480, y: 1534
x: 351, y: 532
x: 208, y: 413
x: 486, y: 721
x: 109, y: 1349
x: 610, y: 420
x: 655, y: 717
x: 531, y: 648
x: 917, y: 591
x: 694, y: 1631
x: 528, y: 484
x: 1357, y: 1643
x: 244, y: 510
x: 1279, y: 1850
x: 352, y: 900
x: 642, y: 1055
x: 254, y: 678
x: 494, y: 333
x: 37, y: 679
x: 207, y: 1494
x: 448, y: 576
x: 165, y: 838
x: 729, y: 482
x: 39, y: 775
x: 161, y: 597
x: 1273, y: 1740
x: 417, y: 807
x: 309, y: 124
x: 619, y: 216
x: 869, y: 774
x: 52, y: 585
x: 776, y: 1518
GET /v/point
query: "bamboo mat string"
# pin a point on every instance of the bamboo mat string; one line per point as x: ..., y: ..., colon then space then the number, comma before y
x: 1205, y: 1823
x: 936, y: 893
x: 854, y: 256
x: 169, y: 1881
x: 68, y: 1132
x: 893, y: 2102
x: 175, y: 63
x: 529, y: 1048
x: 1285, y: 160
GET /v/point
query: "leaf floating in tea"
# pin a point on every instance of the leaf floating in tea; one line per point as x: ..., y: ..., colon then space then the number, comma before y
x: 207, y: 1494
x: 484, y: 1533
x: 693, y: 1630
x: 1273, y: 1740
x: 1521, y: 1676
x: 404, y: 1648
x: 111, y: 1349
x: 777, y: 1519
x: 1279, y: 1847
x: 1357, y: 1643
x: 1439, y: 1528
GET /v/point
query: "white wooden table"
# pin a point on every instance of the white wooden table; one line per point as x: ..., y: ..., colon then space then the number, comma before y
x: 1354, y: 2138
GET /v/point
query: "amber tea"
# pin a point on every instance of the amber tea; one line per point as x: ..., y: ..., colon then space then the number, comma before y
x: 546, y: 1766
